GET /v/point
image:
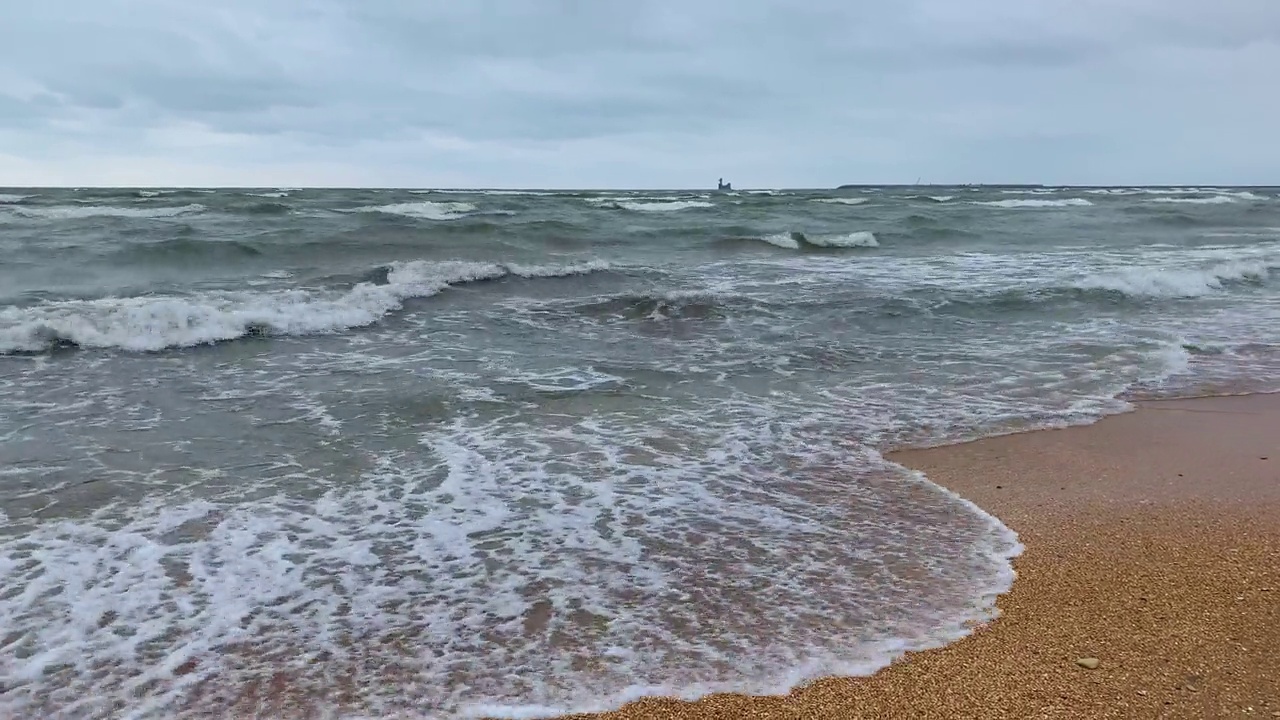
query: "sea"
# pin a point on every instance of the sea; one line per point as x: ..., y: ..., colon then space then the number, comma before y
x: 404, y: 453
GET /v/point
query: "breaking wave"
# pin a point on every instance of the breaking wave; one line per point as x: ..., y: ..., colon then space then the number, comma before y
x: 154, y: 323
x: 660, y: 206
x: 1033, y: 203
x: 80, y: 212
x: 795, y: 240
x: 843, y: 201
x: 1211, y: 200
x: 862, y: 239
x: 424, y: 210
x: 1173, y: 283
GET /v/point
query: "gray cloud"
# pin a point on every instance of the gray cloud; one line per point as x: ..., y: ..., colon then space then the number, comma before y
x: 644, y: 93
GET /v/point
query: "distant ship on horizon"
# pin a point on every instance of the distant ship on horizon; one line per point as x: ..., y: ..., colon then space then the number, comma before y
x: 723, y: 186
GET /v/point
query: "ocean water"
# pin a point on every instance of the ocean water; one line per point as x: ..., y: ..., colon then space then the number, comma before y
x: 410, y: 453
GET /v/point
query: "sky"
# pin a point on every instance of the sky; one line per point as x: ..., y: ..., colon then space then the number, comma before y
x: 638, y: 93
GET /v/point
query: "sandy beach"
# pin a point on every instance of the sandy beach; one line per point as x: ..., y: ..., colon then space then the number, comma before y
x: 1152, y: 546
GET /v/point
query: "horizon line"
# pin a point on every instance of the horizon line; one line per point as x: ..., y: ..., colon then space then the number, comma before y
x: 631, y: 189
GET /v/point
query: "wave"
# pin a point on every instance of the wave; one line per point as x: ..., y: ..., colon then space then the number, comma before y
x: 1032, y: 203
x: 515, y: 193
x: 861, y: 239
x: 651, y: 206
x: 81, y: 212
x: 1212, y: 200
x: 425, y: 210
x: 786, y: 240
x: 153, y: 323
x: 6, y: 198
x: 796, y: 240
x: 1173, y: 283
x: 843, y: 201
x: 276, y: 194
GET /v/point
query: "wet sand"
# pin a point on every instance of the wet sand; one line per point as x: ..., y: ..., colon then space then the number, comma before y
x: 1152, y: 545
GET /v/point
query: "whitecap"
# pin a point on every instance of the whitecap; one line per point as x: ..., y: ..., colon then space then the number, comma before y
x: 661, y: 206
x: 425, y: 210
x: 1211, y: 200
x: 861, y: 239
x: 1030, y: 203
x: 1159, y: 282
x: 842, y: 201
x: 785, y: 240
x: 80, y: 212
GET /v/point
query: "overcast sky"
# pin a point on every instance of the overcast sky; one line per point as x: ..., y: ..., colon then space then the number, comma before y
x: 638, y: 93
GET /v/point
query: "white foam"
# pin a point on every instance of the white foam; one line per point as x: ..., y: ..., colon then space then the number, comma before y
x: 1032, y: 203
x: 861, y: 239
x: 515, y: 193
x: 662, y: 206
x: 783, y: 240
x: 412, y: 586
x: 1211, y: 200
x: 842, y: 201
x: 7, y: 198
x: 155, y: 323
x: 1173, y: 283
x: 276, y: 194
x: 942, y: 198
x: 425, y: 209
x: 80, y: 212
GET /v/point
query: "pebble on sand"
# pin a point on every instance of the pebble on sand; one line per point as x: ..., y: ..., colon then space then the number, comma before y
x: 1088, y: 663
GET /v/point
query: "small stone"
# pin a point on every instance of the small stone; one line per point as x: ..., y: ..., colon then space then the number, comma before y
x: 1143, y: 693
x: 999, y: 487
x: 1088, y: 663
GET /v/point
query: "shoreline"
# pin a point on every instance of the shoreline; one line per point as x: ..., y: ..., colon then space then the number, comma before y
x: 1151, y: 542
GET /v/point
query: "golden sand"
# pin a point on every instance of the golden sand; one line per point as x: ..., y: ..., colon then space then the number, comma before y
x: 1152, y: 545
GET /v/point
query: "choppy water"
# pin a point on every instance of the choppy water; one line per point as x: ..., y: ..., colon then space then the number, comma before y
x: 421, y: 454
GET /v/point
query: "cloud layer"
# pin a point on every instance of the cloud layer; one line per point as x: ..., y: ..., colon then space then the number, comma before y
x: 651, y: 93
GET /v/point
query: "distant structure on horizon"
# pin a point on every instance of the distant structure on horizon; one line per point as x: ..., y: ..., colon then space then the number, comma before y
x: 721, y: 185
